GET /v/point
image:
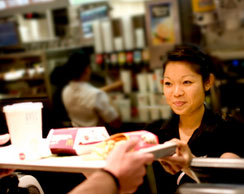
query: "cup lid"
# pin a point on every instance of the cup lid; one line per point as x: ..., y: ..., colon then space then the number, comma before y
x: 22, y: 106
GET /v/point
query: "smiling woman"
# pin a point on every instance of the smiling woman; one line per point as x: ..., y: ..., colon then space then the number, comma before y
x: 184, y: 89
x: 187, y: 77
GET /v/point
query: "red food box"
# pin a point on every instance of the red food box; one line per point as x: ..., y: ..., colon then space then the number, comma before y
x: 146, y: 138
x: 70, y: 140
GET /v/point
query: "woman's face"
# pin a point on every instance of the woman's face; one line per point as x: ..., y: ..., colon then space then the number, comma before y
x: 183, y: 88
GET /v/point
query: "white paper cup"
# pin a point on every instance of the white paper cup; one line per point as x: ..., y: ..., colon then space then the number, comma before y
x: 24, y: 122
x: 142, y: 99
x: 142, y: 82
x: 152, y: 99
x: 166, y: 111
x: 159, y: 77
x: 124, y: 106
x: 154, y: 113
x: 125, y: 76
x: 152, y: 82
x: 144, y: 114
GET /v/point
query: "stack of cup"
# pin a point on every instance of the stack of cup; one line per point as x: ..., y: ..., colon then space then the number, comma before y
x: 124, y: 106
x: 125, y: 76
x: 166, y: 111
x: 142, y: 82
x: 142, y: 100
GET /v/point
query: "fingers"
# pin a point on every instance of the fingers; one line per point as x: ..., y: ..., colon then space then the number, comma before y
x: 4, y: 138
x: 148, y: 158
x: 174, y: 140
x: 131, y: 144
x: 177, y: 141
x: 180, y: 160
x: 140, y: 159
x: 124, y: 147
x: 174, y: 159
x: 145, y: 158
x: 168, y: 167
x: 5, y: 172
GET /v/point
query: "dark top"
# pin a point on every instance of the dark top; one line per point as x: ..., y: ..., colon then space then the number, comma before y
x: 214, y: 137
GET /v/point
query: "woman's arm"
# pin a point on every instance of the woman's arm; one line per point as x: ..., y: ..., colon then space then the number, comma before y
x: 180, y: 160
x: 112, y: 86
x: 229, y: 155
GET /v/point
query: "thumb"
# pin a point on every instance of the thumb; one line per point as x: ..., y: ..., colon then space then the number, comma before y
x: 125, y: 147
x: 4, y: 138
x: 131, y: 144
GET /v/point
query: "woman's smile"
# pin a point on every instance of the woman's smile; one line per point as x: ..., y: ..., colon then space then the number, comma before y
x: 179, y: 103
x: 183, y: 89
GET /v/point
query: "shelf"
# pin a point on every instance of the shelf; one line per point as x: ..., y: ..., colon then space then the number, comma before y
x: 59, y: 51
x: 21, y: 55
x: 228, y: 55
x: 9, y: 97
x: 37, y: 7
x: 24, y: 77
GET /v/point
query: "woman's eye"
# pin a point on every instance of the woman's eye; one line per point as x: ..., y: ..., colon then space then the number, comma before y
x: 167, y: 83
x: 187, y: 82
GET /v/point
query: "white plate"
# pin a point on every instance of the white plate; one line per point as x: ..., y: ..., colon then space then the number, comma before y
x: 161, y: 150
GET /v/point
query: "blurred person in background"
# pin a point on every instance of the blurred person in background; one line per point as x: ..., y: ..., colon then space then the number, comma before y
x: 86, y: 105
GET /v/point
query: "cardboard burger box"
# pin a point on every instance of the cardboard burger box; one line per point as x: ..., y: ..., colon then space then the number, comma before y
x: 75, y: 140
x: 78, y: 141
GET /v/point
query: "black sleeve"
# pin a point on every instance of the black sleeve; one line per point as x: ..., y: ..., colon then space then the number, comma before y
x: 233, y: 137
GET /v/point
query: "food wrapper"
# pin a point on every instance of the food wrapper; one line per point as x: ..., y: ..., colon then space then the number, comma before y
x: 94, y: 142
x: 102, y: 149
x: 75, y: 141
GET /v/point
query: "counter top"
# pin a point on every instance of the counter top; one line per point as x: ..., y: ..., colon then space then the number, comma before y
x: 73, y: 164
x: 218, y: 163
x: 219, y: 170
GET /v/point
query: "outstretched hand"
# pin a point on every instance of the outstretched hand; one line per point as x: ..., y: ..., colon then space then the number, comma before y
x: 180, y: 160
x: 128, y: 165
x: 4, y: 139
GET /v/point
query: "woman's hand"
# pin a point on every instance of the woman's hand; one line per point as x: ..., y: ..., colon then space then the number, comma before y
x: 4, y: 139
x: 229, y: 155
x: 180, y: 160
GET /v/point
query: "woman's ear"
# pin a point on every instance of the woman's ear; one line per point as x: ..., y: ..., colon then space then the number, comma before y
x: 209, y: 83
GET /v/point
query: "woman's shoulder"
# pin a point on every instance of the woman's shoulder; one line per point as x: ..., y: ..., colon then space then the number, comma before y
x: 211, y: 117
x: 222, y: 122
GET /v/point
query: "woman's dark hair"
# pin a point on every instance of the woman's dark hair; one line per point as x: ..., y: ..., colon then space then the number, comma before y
x: 200, y: 61
x: 72, y: 69
x: 76, y: 65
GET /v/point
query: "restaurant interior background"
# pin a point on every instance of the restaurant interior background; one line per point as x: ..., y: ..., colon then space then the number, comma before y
x: 125, y: 39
